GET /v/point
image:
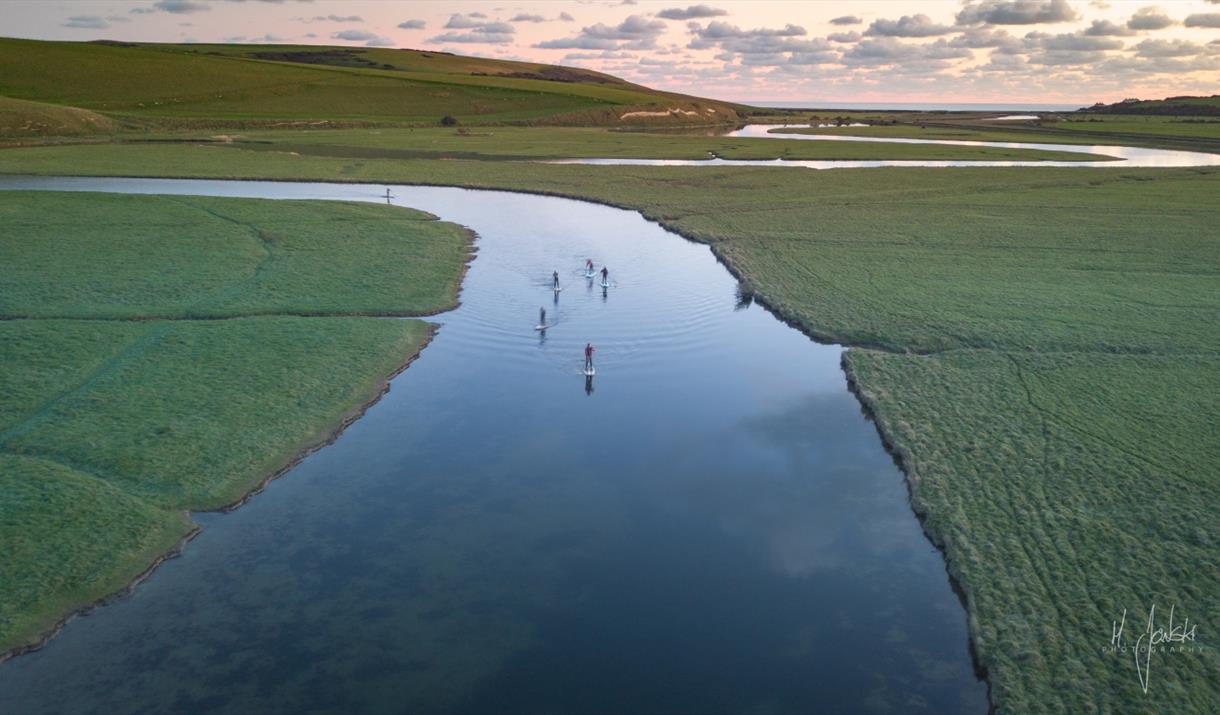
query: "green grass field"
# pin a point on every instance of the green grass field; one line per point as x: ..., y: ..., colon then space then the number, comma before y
x: 167, y: 85
x: 1038, y: 343
x: 112, y: 259
x: 120, y: 411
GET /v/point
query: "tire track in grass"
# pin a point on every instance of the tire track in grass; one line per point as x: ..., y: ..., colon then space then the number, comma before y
x: 134, y: 348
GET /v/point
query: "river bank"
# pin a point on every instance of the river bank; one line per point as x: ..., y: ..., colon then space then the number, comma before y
x: 953, y: 300
x: 820, y: 520
x: 108, y: 402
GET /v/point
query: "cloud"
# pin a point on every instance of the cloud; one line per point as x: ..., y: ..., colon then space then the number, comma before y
x: 718, y: 30
x: 691, y: 12
x: 889, y: 51
x: 774, y: 47
x: 1076, y: 48
x: 1168, y: 48
x: 1105, y: 28
x: 458, y: 21
x: 986, y: 37
x: 474, y: 37
x: 1149, y: 18
x: 565, y: 17
x: 412, y: 25
x: 907, y: 26
x: 1077, y: 42
x: 242, y: 39
x: 179, y: 7
x: 635, y: 33
x: 334, y: 18
x: 481, y: 30
x: 1015, y: 12
x: 522, y: 17
x: 354, y: 35
x: 852, y: 36
x: 607, y: 55
x: 1203, y: 19
x: 370, y: 39
x: 846, y: 20
x: 86, y: 22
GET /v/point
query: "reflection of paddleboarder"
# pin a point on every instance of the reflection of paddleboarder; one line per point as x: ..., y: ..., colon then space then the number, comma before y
x: 589, y: 357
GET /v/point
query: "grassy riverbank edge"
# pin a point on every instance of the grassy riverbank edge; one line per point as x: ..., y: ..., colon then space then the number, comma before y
x: 135, y: 568
x: 84, y: 604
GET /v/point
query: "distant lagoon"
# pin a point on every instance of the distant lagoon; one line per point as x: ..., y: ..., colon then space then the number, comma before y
x: 922, y: 106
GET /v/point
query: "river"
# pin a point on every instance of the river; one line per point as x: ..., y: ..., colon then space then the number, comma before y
x: 1128, y: 157
x: 708, y: 525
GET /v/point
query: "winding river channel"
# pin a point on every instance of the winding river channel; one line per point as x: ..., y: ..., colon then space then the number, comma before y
x: 708, y: 525
x: 1122, y: 157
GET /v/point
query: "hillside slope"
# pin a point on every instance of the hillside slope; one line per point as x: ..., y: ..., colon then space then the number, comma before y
x: 169, y: 85
x: 1172, y: 106
x: 19, y: 117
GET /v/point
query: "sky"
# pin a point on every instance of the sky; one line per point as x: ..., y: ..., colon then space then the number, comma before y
x: 1028, y: 51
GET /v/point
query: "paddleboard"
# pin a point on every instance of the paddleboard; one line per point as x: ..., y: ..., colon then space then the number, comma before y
x: 558, y: 289
x: 590, y: 372
x: 590, y: 275
x: 605, y: 284
x: 541, y: 327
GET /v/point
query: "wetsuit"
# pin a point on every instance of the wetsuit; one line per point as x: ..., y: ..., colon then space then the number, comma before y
x: 605, y: 275
x: 588, y: 357
x: 555, y: 279
x: 542, y: 316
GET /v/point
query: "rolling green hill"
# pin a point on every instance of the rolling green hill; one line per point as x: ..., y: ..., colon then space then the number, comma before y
x: 1177, y: 106
x: 173, y: 85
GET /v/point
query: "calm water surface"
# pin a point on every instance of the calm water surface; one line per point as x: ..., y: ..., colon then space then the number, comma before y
x: 710, y: 525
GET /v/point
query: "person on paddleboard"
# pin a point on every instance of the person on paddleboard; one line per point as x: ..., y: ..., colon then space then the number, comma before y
x: 589, y: 357
x: 589, y: 266
x: 605, y: 274
x: 542, y: 317
x: 555, y: 280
